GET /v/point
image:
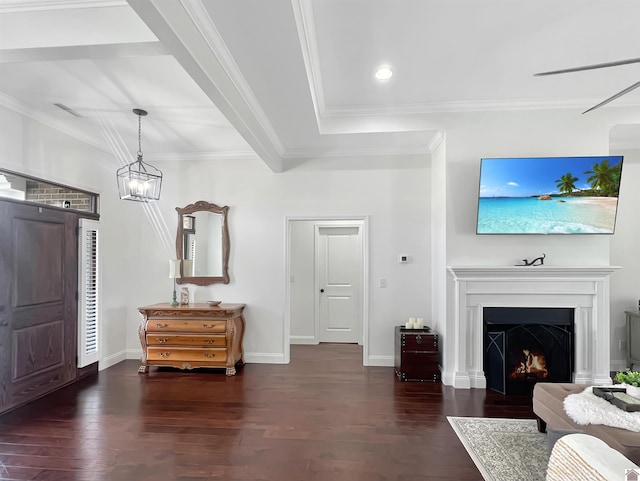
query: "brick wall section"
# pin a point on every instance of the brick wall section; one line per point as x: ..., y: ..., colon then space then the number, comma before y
x: 56, y: 196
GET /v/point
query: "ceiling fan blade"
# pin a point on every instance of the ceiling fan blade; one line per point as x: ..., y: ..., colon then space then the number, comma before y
x: 613, y: 97
x: 589, y: 67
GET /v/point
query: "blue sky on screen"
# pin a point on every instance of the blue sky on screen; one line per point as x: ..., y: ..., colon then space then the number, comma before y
x: 524, y: 177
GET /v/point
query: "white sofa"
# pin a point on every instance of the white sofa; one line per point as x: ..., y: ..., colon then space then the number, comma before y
x: 587, y: 458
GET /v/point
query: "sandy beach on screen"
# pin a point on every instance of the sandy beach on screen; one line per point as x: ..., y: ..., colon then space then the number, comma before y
x: 608, y: 202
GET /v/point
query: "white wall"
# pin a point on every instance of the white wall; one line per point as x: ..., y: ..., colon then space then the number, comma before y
x: 625, y: 252
x: 515, y: 134
x: 394, y: 193
x: 438, y: 233
x: 400, y: 196
x: 302, y: 282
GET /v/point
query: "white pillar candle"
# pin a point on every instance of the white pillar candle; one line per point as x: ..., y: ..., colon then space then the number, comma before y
x: 174, y: 268
x: 408, y: 325
x: 419, y: 323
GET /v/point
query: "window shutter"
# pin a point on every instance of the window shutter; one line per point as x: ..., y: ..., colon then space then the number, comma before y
x: 89, y: 293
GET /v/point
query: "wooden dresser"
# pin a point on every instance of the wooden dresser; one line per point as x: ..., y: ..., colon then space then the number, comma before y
x: 416, y: 354
x: 192, y: 336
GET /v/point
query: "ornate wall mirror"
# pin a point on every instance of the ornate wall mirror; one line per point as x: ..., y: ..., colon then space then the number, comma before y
x: 202, y: 244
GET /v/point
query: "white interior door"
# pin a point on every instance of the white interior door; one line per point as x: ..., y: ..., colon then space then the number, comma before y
x: 339, y: 283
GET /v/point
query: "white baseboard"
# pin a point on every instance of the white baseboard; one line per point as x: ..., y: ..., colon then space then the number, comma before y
x: 264, y: 358
x: 134, y: 353
x: 273, y: 357
x: 249, y: 357
x: 381, y: 361
x: 112, y: 360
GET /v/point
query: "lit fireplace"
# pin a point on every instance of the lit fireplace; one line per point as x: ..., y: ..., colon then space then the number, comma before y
x: 526, y: 345
x: 532, y: 366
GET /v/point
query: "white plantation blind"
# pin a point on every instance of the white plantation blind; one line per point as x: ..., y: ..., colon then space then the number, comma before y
x: 89, y: 293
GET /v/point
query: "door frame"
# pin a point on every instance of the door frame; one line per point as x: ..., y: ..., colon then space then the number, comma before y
x: 361, y: 221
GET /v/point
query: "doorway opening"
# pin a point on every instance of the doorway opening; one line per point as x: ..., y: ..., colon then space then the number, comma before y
x: 326, y: 282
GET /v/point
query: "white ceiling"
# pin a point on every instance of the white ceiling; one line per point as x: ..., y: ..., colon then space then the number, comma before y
x: 293, y: 79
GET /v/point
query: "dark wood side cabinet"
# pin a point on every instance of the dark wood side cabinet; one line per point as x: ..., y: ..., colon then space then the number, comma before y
x: 416, y: 354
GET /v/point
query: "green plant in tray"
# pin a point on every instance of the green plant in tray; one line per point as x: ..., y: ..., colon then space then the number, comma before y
x: 629, y: 377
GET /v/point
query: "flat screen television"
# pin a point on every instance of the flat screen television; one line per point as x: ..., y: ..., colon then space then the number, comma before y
x: 549, y: 195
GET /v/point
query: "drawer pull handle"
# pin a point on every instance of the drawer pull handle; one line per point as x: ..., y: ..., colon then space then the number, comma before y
x: 208, y: 326
x: 209, y: 355
x: 164, y: 354
x: 209, y: 341
x: 162, y: 340
x: 162, y: 325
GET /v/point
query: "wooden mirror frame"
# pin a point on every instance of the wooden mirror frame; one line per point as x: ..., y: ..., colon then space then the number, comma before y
x: 203, y: 206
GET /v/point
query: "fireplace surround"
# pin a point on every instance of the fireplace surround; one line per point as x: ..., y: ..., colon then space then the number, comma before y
x: 471, y: 289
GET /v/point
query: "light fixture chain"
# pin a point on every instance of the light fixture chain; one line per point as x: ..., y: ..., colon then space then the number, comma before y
x: 139, y: 136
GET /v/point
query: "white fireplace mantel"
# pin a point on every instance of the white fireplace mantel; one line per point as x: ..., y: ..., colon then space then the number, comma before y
x: 471, y: 289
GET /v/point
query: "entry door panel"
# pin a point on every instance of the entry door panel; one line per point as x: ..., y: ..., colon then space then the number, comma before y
x: 38, y: 279
x: 339, y: 268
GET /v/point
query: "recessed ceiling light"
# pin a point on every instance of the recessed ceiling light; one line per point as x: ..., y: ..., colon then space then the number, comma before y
x: 384, y: 72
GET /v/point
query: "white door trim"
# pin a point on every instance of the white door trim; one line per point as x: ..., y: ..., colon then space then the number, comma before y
x: 361, y: 221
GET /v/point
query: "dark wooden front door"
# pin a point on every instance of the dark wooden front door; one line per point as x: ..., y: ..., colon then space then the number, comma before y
x: 38, y: 310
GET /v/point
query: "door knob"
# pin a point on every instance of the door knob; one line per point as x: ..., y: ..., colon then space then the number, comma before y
x: 4, y: 323
x: 321, y: 290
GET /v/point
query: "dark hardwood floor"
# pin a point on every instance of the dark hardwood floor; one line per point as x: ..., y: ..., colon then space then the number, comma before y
x: 323, y: 417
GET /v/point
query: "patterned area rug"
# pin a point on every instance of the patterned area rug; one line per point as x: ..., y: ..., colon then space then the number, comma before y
x: 504, y: 449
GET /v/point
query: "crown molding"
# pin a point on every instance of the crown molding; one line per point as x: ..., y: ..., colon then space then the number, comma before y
x: 308, y: 154
x: 16, y: 6
x: 305, y: 24
x: 83, y: 52
x: 462, y: 106
x: 201, y: 156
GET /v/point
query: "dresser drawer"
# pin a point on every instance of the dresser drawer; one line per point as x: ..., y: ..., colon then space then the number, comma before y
x: 159, y: 353
x: 173, y: 325
x: 195, y: 340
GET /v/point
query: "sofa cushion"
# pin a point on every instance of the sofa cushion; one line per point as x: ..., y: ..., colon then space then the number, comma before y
x: 581, y: 456
x: 548, y: 405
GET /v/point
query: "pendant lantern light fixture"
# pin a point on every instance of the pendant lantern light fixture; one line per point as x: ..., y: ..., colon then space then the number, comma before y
x: 139, y: 181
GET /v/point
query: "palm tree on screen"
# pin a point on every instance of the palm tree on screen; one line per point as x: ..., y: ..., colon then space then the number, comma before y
x: 604, y: 177
x: 567, y: 183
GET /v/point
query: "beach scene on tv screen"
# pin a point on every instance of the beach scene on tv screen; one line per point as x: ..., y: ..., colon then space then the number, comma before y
x: 549, y: 195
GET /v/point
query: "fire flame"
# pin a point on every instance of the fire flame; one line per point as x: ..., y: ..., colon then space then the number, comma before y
x: 532, y: 365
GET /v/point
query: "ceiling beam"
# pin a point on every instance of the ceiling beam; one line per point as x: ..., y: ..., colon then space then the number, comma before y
x: 82, y: 52
x: 185, y: 27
